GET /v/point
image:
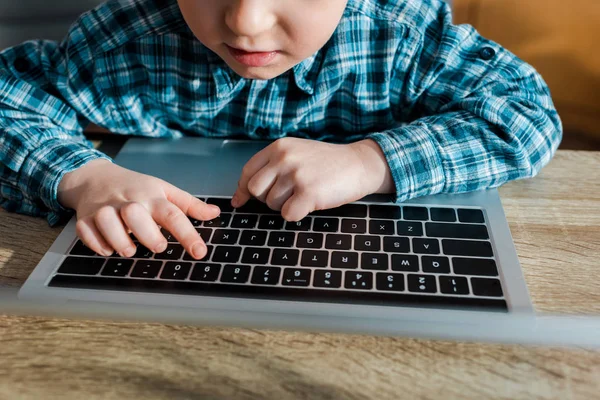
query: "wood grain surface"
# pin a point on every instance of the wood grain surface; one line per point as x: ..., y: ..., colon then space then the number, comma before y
x: 555, y: 222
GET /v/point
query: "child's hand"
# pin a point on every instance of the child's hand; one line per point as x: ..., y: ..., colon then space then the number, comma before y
x: 299, y: 176
x: 111, y: 200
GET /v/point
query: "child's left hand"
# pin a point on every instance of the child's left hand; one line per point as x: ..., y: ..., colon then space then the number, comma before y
x: 298, y: 176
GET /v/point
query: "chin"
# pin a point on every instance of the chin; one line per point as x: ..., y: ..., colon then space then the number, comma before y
x: 258, y: 73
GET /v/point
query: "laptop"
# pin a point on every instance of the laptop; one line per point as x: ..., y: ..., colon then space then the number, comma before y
x: 438, y: 266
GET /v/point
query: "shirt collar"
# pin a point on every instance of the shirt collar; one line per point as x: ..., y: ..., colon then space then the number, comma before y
x: 227, y: 81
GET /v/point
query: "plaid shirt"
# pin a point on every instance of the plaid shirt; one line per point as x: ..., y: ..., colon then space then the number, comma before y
x: 451, y: 110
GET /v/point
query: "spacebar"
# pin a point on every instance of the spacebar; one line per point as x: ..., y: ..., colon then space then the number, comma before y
x: 276, y: 293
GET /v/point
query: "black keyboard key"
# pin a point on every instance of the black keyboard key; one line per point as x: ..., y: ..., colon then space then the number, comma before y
x: 256, y: 255
x: 359, y: 280
x: 467, y: 248
x: 117, y: 267
x: 142, y: 251
x: 81, y: 265
x: 253, y: 238
x: 223, y: 204
x: 443, y: 214
x: 344, y: 259
x: 176, y: 270
x: 281, y: 239
x: 326, y: 296
x: 309, y: 240
x: 225, y: 236
x: 374, y: 261
x: 470, y: 216
x: 254, y: 206
x: 196, y: 222
x: 266, y: 275
x: 379, y: 227
x: 354, y: 226
x: 458, y: 231
x: 474, y: 266
x: 384, y: 212
x: 326, y: 225
x: 422, y: 283
x: 80, y: 249
x: 314, y: 258
x: 296, y: 277
x: 454, y: 285
x: 274, y: 222
x: 146, y: 269
x: 338, y: 242
x: 396, y: 244
x: 390, y: 282
x: 415, y: 213
x: 438, y: 265
x: 286, y: 257
x: 222, y: 221
x: 245, y: 221
x: 405, y: 263
x: 235, y: 273
x: 426, y: 246
x: 367, y: 243
x: 173, y: 252
x: 327, y: 279
x: 205, y: 272
x: 302, y: 225
x: 409, y: 228
x: 205, y: 233
x: 188, y: 257
x: 347, y: 210
x: 486, y: 287
x: 227, y: 254
x: 170, y: 238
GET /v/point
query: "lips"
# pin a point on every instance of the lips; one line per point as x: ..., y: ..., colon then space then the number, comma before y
x: 252, y: 59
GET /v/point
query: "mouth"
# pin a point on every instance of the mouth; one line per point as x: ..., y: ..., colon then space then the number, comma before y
x: 252, y: 58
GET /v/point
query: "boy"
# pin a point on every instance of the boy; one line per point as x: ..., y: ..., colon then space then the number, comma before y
x: 416, y: 105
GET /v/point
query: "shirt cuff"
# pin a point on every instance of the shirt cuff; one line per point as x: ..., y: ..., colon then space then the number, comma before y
x: 44, y: 168
x: 414, y: 161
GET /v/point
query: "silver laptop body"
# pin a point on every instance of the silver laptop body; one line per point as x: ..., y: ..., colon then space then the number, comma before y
x: 211, y: 167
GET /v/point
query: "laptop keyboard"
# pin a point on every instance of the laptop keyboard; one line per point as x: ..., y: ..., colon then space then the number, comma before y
x: 359, y: 253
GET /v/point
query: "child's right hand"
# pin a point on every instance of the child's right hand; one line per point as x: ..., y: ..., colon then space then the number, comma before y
x: 111, y: 200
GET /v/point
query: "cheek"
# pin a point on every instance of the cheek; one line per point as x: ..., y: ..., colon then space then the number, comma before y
x: 202, y: 17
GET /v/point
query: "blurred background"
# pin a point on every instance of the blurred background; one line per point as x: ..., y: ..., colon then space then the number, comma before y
x: 559, y: 38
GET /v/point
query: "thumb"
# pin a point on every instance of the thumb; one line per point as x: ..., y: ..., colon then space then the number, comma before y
x: 190, y: 205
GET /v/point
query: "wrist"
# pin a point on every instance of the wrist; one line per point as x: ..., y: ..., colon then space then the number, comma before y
x: 377, y: 172
x: 71, y: 184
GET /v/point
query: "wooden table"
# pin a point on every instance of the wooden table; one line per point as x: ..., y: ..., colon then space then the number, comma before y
x: 555, y: 222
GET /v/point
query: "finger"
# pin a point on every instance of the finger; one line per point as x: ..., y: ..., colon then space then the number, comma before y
x: 281, y: 191
x: 173, y: 219
x: 190, y: 205
x: 255, y: 164
x: 298, y: 206
x: 113, y: 230
x: 262, y: 182
x: 90, y: 236
x: 138, y: 219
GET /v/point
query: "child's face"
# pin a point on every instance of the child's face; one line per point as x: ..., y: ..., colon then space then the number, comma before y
x: 283, y: 32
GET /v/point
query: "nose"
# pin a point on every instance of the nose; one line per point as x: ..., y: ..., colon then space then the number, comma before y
x: 250, y: 17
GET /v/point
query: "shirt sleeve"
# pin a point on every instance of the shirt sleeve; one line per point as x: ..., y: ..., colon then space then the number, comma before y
x: 41, y: 133
x: 471, y: 114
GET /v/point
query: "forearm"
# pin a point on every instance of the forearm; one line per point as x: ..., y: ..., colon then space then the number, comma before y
x: 376, y: 168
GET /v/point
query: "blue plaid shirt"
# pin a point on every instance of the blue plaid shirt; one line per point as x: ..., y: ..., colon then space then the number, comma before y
x: 451, y: 110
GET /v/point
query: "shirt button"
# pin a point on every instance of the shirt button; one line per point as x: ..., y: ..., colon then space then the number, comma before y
x: 487, y: 53
x: 21, y: 64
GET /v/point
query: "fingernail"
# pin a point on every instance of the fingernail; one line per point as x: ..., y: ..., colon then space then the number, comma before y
x: 214, y: 208
x: 198, y: 250
x: 107, y: 252
x: 129, y: 252
x: 161, y: 247
x: 235, y: 201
